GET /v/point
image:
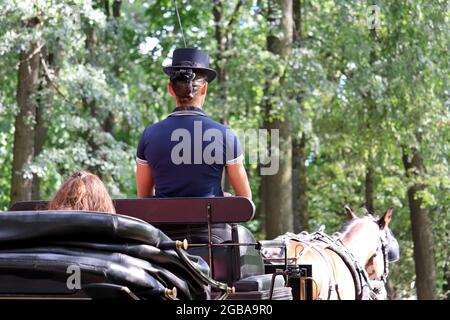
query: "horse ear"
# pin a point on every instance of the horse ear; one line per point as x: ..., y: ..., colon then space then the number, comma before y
x: 386, y: 218
x: 350, y: 214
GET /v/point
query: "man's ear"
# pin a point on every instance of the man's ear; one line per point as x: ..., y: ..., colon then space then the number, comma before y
x: 204, y: 89
x: 386, y: 218
x: 170, y: 89
x: 349, y: 211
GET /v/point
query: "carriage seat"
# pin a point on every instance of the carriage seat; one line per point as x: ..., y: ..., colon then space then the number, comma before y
x: 39, y: 250
x: 189, y: 218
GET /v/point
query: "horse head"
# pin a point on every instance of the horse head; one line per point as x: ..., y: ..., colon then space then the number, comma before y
x: 372, y: 242
x: 388, y: 249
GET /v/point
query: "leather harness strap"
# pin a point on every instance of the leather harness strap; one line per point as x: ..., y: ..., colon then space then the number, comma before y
x: 318, y: 248
x: 363, y: 288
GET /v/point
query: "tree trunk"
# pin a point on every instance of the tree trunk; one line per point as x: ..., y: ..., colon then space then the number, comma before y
x: 422, y: 232
x: 446, y: 285
x: 299, y: 185
x: 23, y: 150
x: 371, y: 106
x: 299, y: 174
x: 106, y: 8
x: 298, y: 22
x: 222, y: 35
x: 222, y: 30
x: 110, y: 120
x: 116, y: 8
x: 41, y: 128
x: 221, y: 40
x: 116, y: 14
x: 369, y: 189
x: 92, y: 44
x: 39, y: 141
x: 91, y: 105
x: 277, y: 187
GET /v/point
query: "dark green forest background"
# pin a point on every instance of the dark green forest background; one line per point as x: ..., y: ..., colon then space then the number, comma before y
x: 362, y: 105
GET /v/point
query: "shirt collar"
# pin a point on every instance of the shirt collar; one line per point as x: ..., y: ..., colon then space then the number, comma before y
x: 187, y: 111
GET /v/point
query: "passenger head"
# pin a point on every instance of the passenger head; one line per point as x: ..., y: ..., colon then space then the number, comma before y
x: 188, y: 87
x: 82, y: 191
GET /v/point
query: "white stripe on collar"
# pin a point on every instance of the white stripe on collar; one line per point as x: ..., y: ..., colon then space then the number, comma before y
x: 187, y: 113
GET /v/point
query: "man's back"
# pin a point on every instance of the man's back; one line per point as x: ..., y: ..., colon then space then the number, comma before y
x: 187, y: 152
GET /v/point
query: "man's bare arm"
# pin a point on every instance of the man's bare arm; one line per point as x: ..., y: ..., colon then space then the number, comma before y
x: 239, y: 180
x: 144, y: 181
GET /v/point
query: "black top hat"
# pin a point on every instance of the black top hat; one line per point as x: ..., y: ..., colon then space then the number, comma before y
x: 189, y: 58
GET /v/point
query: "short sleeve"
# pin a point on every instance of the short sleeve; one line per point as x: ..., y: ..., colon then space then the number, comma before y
x: 140, y: 154
x: 234, y: 153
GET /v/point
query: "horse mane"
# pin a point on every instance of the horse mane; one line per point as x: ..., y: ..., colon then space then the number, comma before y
x: 349, y: 224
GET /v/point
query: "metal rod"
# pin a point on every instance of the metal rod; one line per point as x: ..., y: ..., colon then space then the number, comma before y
x: 179, y: 22
x: 211, y: 264
x: 285, y: 258
x: 205, y: 279
x: 272, y: 283
x: 278, y: 259
x: 169, y: 245
x: 191, y: 245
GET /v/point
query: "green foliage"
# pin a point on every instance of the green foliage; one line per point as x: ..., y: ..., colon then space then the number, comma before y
x: 358, y: 99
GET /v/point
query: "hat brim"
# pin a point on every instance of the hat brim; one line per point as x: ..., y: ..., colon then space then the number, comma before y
x: 210, y: 73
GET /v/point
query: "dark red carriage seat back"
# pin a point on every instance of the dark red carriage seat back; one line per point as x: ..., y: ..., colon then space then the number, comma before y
x: 173, y: 210
x: 230, y: 263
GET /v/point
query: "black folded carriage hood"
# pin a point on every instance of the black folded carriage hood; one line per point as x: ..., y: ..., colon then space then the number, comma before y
x: 38, y: 247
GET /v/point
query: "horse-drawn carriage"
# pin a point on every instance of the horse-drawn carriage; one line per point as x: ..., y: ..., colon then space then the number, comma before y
x: 178, y: 248
x: 68, y: 254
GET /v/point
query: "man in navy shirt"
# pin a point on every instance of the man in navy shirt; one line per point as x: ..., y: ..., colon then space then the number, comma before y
x: 185, y: 154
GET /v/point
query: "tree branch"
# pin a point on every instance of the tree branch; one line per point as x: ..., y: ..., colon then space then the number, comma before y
x: 49, y: 78
x: 234, y: 14
x: 31, y: 55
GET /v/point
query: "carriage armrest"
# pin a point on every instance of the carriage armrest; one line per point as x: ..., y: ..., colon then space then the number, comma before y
x: 174, y: 210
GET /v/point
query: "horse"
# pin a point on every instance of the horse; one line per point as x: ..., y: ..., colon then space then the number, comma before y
x: 351, y: 265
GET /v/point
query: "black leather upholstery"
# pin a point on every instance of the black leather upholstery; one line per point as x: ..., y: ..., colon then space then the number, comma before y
x: 31, y: 225
x: 36, y: 249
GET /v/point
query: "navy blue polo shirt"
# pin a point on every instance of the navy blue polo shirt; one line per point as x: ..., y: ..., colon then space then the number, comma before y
x: 187, y: 152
